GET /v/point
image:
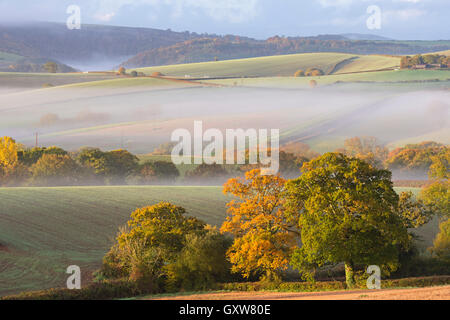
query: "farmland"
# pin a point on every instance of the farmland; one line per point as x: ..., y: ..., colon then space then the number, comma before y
x: 44, y: 230
x: 273, y: 66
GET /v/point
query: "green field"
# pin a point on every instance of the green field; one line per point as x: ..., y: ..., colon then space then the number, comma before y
x: 273, y: 66
x: 405, y: 77
x: 44, y: 230
x: 26, y: 81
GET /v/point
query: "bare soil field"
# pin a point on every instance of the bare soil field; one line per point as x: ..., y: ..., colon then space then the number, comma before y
x: 432, y: 293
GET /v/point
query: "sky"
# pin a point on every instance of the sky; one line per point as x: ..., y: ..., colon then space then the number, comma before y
x: 397, y: 19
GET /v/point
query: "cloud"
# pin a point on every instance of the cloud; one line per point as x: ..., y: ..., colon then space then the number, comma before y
x: 403, y: 15
x: 234, y: 11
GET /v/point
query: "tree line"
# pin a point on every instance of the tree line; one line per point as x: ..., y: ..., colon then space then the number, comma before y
x: 54, y: 166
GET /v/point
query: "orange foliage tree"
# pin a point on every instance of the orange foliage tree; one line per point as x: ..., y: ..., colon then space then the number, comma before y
x: 263, y: 238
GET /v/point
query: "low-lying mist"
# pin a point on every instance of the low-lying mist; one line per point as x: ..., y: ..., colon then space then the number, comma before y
x: 141, y: 117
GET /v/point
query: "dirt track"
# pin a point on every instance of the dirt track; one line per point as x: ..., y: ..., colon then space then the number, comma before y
x: 434, y: 293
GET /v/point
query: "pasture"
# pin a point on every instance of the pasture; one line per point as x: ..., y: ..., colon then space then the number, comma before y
x: 274, y: 66
x: 44, y: 230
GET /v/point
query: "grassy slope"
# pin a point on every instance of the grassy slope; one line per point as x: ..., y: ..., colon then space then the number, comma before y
x: 284, y: 65
x: 37, y: 80
x: 380, y: 76
x: 47, y: 229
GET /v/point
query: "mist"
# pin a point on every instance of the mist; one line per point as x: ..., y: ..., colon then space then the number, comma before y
x: 139, y: 118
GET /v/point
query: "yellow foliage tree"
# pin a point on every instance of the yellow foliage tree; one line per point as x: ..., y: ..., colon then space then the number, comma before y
x: 8, y: 152
x: 263, y: 239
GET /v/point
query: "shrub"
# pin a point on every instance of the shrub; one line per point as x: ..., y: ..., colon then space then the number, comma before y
x: 55, y: 169
x: 201, y: 264
x: 299, y: 73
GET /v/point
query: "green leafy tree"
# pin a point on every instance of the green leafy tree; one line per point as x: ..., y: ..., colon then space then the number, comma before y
x: 347, y: 212
x: 202, y: 262
x: 119, y: 165
x: 441, y: 247
x: 153, y: 240
x: 164, y: 171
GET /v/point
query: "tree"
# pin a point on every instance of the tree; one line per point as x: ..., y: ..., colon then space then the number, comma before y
x: 134, y: 73
x: 8, y: 152
x: 95, y: 160
x: 299, y: 73
x: 119, y: 165
x: 54, y: 170
x: 441, y: 245
x: 313, y: 83
x: 437, y: 194
x: 263, y: 239
x: 207, y: 173
x: 347, y: 212
x: 50, y: 67
x: 154, y: 239
x: 122, y: 71
x: 164, y: 171
x: 202, y: 262
x: 367, y: 149
x: 414, y: 157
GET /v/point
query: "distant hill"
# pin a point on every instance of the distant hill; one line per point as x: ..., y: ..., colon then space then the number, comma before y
x: 103, y: 47
x: 208, y: 49
x: 358, y: 36
x: 91, y: 42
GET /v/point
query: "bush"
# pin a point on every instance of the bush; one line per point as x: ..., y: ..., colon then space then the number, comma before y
x: 333, y: 285
x: 201, y: 264
x: 299, y: 73
x: 55, y: 169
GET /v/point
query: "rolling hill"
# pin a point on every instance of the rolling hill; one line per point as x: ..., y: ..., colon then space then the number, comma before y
x: 275, y: 66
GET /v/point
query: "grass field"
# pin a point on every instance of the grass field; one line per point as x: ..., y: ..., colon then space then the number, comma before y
x: 26, y: 81
x: 44, y: 230
x: 398, y: 76
x: 273, y: 66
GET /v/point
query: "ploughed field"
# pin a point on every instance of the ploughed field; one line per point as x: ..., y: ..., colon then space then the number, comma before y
x: 45, y: 230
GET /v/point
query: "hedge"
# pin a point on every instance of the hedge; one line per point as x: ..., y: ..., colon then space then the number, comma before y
x: 334, y: 285
x: 126, y: 289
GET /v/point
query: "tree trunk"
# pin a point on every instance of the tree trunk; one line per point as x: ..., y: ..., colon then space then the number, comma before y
x: 350, y: 275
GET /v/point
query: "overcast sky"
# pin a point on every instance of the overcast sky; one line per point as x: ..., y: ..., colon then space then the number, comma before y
x: 401, y: 19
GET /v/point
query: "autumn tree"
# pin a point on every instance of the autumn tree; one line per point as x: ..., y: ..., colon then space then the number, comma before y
x: 437, y: 194
x: 207, y: 173
x: 367, y: 149
x: 441, y: 245
x: 263, y: 239
x: 54, y: 169
x: 347, y: 212
x: 153, y: 240
x: 122, y: 71
x: 50, y: 67
x: 12, y: 171
x: 299, y: 73
x: 8, y: 152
